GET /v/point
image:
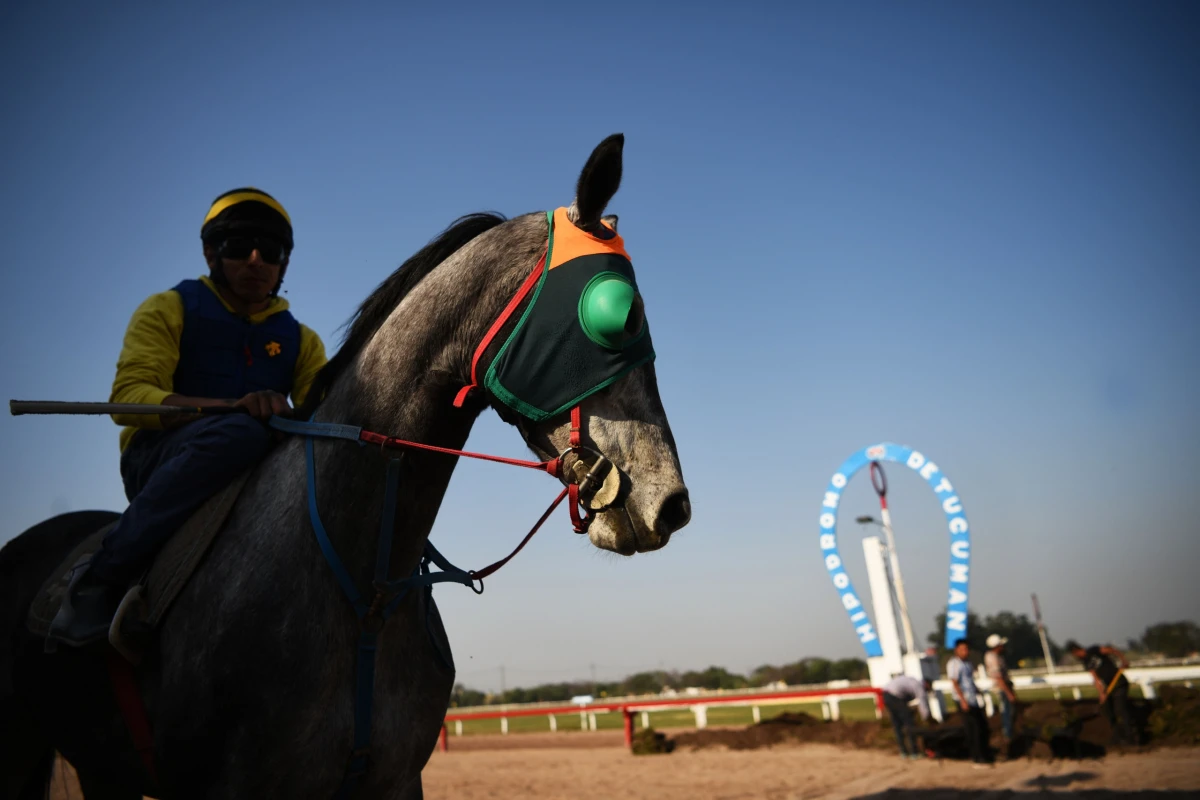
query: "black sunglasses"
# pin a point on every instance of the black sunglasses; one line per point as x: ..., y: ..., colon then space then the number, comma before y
x: 239, y: 248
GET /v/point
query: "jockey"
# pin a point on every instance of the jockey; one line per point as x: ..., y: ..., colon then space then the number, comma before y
x: 226, y: 339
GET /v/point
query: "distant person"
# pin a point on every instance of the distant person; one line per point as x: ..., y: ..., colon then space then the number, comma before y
x: 1112, y: 686
x: 897, y: 694
x: 997, y: 669
x: 958, y: 670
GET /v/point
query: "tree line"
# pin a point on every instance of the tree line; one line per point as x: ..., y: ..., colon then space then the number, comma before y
x: 1169, y: 639
x: 806, y: 670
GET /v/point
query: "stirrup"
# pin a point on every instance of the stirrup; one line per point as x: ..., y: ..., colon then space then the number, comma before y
x: 132, y: 603
x: 66, y: 612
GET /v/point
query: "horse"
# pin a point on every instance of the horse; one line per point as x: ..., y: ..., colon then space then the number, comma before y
x: 249, y: 683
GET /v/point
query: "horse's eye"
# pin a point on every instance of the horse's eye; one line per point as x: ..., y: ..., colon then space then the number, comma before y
x: 611, y: 311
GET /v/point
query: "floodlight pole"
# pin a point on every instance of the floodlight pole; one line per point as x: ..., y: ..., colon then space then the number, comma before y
x: 879, y: 482
x: 1037, y: 614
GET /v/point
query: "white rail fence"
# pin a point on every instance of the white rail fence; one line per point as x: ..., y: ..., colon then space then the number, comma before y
x: 1145, y: 677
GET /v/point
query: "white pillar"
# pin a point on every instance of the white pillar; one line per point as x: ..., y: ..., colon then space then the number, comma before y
x: 1078, y: 694
x: 824, y: 710
x: 458, y: 727
x: 504, y: 724
x: 937, y: 705
x: 879, y: 670
x: 921, y: 666
x: 885, y: 614
x: 553, y: 723
x: 834, y: 713
x: 757, y: 715
x: 592, y: 722
x: 645, y: 719
x: 701, y: 713
x: 1148, y: 689
x: 583, y: 720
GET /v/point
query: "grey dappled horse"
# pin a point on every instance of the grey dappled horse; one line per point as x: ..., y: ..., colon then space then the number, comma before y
x: 250, y: 687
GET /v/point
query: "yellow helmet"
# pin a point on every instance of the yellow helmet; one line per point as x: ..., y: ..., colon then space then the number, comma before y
x: 246, y: 210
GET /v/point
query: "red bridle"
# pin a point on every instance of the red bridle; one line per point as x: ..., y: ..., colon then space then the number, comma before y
x: 579, y: 521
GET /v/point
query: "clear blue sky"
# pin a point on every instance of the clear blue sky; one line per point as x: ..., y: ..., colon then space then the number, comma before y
x: 968, y: 230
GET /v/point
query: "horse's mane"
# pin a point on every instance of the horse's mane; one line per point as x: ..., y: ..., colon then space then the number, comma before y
x: 381, y: 302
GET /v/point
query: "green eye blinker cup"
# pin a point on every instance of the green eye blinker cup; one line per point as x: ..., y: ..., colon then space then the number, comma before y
x: 611, y: 311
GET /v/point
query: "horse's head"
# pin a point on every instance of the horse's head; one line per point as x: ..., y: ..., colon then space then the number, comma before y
x: 583, y: 341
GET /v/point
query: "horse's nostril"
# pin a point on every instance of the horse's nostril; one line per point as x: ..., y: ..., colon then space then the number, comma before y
x: 676, y: 512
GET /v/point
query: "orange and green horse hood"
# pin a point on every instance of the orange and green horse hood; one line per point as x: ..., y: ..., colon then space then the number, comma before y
x: 584, y: 328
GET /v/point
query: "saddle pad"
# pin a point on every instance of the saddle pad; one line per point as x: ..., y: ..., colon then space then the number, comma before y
x: 168, y: 574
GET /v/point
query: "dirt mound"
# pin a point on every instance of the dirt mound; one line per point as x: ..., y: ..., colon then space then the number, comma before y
x: 1042, y: 730
x: 1175, y: 721
x: 788, y: 718
x: 792, y: 728
x: 649, y: 742
x: 1067, y: 729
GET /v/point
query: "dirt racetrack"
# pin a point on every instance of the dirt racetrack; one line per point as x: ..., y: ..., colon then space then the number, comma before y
x: 794, y: 756
x: 583, y: 766
x: 593, y: 766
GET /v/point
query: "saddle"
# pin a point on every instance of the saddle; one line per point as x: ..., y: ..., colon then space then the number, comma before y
x: 147, y: 601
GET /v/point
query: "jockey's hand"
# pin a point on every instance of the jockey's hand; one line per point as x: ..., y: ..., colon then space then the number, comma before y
x: 262, y: 405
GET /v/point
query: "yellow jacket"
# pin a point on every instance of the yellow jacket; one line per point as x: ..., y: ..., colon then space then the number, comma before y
x: 150, y: 353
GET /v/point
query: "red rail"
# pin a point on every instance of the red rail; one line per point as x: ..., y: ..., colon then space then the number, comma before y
x: 629, y: 707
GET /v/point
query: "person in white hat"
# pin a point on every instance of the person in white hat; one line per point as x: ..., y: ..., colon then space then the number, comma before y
x: 997, y: 670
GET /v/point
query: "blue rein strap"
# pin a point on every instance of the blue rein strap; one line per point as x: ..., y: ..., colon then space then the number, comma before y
x: 339, y: 569
x: 387, y: 594
x: 324, y: 430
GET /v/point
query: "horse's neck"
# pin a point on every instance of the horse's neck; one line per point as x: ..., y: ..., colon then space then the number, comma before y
x: 403, y: 384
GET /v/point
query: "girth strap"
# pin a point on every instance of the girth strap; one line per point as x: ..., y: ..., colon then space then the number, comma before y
x: 385, y: 598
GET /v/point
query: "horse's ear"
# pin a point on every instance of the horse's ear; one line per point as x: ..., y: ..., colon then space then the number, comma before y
x: 610, y: 220
x: 598, y: 182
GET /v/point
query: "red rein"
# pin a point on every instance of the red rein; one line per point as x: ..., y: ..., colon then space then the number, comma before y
x: 579, y: 522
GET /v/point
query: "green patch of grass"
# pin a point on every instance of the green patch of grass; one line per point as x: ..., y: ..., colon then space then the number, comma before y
x: 1066, y: 693
x: 539, y: 723
x: 856, y: 709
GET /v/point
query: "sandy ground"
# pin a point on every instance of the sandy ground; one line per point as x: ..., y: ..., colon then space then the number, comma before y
x: 586, y: 766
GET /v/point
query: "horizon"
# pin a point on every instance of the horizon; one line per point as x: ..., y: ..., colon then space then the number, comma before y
x: 966, y: 230
x: 976, y: 656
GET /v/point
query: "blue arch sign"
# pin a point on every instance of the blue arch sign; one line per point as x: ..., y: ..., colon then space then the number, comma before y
x: 956, y: 521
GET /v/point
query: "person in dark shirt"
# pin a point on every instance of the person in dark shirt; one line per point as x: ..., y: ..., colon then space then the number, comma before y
x: 1112, y: 686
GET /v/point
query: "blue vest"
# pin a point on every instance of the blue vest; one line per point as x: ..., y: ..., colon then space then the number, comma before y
x: 224, y: 355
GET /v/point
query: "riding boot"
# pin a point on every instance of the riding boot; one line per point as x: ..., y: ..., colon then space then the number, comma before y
x: 87, y: 609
